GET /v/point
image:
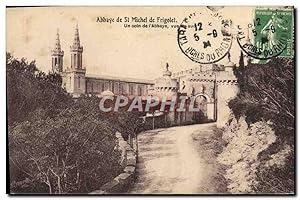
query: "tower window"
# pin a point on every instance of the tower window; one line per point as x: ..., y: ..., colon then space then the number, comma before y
x: 72, y: 60
x: 78, y: 82
x: 75, y: 61
x: 78, y: 61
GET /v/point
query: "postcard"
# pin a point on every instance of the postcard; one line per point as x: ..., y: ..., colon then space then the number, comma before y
x: 150, y: 100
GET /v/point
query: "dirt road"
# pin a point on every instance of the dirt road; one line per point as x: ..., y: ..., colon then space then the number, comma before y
x: 178, y: 160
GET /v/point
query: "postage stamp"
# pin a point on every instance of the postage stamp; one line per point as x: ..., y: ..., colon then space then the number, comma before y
x: 272, y: 31
x: 204, y: 37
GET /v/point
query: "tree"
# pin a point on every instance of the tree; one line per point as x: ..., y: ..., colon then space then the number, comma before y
x: 71, y: 152
x: 240, y: 71
x: 29, y: 89
x: 56, y: 144
x: 269, y: 93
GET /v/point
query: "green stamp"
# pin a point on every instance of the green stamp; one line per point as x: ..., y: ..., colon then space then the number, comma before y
x: 272, y: 34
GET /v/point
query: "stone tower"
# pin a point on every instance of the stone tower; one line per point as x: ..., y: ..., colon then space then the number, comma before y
x: 75, y: 82
x: 57, y: 56
x: 165, y: 86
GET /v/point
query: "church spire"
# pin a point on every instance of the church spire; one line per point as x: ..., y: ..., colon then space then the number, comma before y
x: 76, y: 42
x: 76, y: 51
x: 57, y: 42
x: 57, y: 55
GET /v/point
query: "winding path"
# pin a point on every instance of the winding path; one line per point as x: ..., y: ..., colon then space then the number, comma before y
x: 171, y: 161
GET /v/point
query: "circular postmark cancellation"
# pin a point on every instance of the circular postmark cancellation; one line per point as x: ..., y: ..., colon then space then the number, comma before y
x: 269, y: 35
x: 204, y: 36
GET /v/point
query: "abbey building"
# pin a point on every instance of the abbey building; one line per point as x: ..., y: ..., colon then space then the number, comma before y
x: 213, y: 85
x: 76, y: 81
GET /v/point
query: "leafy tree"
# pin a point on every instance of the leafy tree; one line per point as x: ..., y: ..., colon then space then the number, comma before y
x: 29, y: 89
x: 71, y: 152
x: 56, y: 144
x: 269, y: 93
x: 240, y: 71
x: 123, y: 121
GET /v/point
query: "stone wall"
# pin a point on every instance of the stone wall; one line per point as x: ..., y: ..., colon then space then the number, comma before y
x: 122, y: 182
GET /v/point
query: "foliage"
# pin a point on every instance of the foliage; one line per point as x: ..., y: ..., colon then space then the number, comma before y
x: 127, y: 123
x: 267, y: 93
x: 56, y: 144
x: 29, y: 89
x: 71, y: 152
x: 276, y: 174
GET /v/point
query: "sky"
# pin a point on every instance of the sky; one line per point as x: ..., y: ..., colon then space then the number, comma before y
x: 108, y: 48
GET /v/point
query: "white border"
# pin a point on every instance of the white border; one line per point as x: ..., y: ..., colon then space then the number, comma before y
x: 107, y: 3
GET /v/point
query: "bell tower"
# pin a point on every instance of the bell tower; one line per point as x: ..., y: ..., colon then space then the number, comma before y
x: 76, y: 51
x: 75, y: 74
x: 57, y: 56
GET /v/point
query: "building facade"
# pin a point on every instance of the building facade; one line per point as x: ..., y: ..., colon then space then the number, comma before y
x: 212, y: 85
x: 77, y: 82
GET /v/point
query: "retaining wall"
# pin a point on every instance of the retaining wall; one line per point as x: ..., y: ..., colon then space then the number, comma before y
x: 122, y: 182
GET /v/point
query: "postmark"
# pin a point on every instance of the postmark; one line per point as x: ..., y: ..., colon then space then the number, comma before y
x: 204, y: 36
x: 269, y: 35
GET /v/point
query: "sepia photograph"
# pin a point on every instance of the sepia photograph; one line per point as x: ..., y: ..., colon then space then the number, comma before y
x: 150, y: 100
